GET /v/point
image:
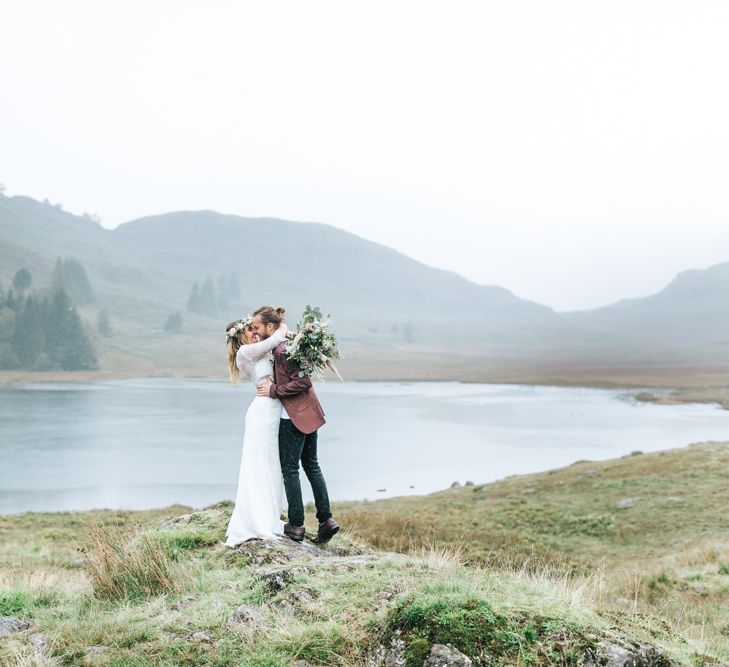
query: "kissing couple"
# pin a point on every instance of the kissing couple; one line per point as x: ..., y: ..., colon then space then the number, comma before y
x: 281, y: 428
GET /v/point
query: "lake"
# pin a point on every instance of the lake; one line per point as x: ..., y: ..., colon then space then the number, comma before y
x: 153, y: 442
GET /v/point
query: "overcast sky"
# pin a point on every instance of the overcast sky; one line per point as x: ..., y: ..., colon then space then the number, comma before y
x: 574, y: 152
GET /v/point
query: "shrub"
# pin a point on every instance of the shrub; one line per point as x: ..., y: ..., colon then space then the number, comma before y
x: 128, y: 567
x: 13, y: 602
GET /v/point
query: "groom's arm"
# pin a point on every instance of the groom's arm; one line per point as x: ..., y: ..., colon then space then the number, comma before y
x: 290, y: 388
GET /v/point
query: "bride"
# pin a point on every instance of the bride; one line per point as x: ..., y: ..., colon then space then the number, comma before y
x: 258, y: 501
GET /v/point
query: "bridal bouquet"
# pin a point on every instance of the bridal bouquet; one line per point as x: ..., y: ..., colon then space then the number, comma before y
x: 312, y: 346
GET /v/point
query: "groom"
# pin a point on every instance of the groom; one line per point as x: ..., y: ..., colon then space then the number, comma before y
x: 301, y: 416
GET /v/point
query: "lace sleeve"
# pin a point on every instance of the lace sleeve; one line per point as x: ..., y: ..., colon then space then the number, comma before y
x: 254, y: 351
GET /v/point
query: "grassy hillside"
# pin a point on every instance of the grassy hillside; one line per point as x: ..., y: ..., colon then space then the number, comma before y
x: 654, y: 526
x: 647, y: 583
x: 677, y: 497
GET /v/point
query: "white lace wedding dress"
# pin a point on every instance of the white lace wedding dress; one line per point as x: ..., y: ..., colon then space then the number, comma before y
x: 259, y: 499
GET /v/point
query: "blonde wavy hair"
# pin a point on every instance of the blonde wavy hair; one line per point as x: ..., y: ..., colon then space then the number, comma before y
x: 242, y: 337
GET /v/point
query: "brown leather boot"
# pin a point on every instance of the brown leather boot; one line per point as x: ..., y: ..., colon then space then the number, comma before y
x: 326, y: 531
x: 296, y: 533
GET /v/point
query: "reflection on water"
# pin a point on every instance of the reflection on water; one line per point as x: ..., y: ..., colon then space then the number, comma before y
x: 151, y: 443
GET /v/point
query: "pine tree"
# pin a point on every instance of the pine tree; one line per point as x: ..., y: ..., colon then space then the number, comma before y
x: 80, y: 355
x: 77, y: 282
x: 29, y: 335
x: 69, y: 348
x: 173, y: 324
x: 8, y: 360
x: 207, y: 298
x: 57, y: 277
x: 69, y: 274
x: 22, y: 280
x: 103, y: 324
x: 11, y: 301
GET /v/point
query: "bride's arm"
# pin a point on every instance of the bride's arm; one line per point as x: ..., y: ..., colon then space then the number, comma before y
x: 254, y: 351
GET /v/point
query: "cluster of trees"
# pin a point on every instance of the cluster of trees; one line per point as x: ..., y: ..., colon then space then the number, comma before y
x: 40, y: 331
x: 70, y: 275
x: 403, y: 330
x: 212, y: 297
x: 173, y: 323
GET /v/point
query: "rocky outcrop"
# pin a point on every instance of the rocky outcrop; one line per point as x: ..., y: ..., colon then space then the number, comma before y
x: 612, y: 654
x: 10, y: 625
x: 446, y: 656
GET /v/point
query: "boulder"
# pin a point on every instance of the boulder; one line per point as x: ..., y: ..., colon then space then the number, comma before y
x: 39, y: 642
x: 284, y: 607
x: 612, y: 654
x: 245, y: 615
x: 277, y: 580
x: 10, y: 624
x: 444, y: 655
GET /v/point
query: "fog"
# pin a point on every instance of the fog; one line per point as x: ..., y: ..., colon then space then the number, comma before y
x: 573, y: 152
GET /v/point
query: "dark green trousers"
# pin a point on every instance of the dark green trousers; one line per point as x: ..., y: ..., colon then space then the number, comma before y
x: 295, y: 446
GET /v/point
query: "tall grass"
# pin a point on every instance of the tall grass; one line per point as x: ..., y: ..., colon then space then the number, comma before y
x: 124, y: 566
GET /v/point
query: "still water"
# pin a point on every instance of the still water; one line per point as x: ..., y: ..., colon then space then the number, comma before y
x: 150, y: 443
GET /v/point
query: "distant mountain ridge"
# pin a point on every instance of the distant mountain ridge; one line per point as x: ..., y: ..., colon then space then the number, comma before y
x: 144, y: 270
x: 692, y: 308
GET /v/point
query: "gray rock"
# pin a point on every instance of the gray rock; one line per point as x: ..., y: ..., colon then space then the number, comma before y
x: 201, y: 636
x: 469, y: 483
x: 302, y: 597
x: 276, y: 581
x: 184, y: 518
x: 245, y: 615
x: 10, y: 624
x: 611, y: 654
x: 625, y: 503
x: 39, y: 642
x: 284, y: 607
x: 392, y: 655
x: 442, y: 655
x: 455, y: 485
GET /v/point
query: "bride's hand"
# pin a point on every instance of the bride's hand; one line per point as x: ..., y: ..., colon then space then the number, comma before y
x: 283, y: 329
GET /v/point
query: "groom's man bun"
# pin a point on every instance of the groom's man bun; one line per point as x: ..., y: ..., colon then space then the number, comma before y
x: 271, y: 315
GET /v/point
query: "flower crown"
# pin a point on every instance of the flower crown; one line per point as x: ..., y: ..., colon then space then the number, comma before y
x: 238, y: 326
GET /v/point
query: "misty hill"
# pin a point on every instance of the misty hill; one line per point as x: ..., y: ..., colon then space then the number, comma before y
x: 384, y: 303
x: 691, y: 309
x: 366, y: 284
x: 145, y: 269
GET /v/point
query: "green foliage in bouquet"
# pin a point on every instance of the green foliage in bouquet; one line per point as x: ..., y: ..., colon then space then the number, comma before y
x: 312, y: 346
